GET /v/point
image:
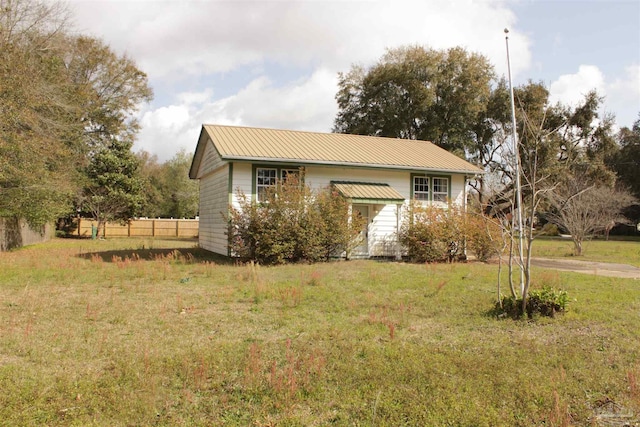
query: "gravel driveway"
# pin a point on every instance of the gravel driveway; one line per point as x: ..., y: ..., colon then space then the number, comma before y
x: 589, y: 267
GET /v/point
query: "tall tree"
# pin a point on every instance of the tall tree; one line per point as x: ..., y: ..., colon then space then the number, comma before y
x: 108, y: 89
x: 114, y: 187
x: 556, y: 145
x: 417, y: 93
x: 151, y: 173
x: 61, y: 98
x: 36, y: 158
x: 182, y: 193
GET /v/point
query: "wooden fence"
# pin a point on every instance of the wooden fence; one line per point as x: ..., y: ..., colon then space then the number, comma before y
x: 141, y: 228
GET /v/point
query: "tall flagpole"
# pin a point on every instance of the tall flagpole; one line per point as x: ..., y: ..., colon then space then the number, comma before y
x: 516, y: 153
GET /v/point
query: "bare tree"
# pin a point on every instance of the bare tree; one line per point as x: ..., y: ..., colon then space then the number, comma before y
x: 584, y: 209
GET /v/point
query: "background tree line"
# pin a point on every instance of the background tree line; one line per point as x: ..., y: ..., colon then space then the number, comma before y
x: 67, y: 126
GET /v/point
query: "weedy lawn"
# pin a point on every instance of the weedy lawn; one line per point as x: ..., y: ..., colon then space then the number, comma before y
x: 135, y: 332
x: 616, y: 250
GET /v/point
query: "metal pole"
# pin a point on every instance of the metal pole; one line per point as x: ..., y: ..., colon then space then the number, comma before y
x: 516, y: 152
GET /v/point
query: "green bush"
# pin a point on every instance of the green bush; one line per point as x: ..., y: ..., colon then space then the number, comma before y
x: 544, y: 302
x: 293, y: 224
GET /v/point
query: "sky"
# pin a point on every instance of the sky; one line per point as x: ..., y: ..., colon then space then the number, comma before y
x: 275, y: 63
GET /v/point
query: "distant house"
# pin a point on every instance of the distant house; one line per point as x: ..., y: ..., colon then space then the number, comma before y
x: 377, y: 175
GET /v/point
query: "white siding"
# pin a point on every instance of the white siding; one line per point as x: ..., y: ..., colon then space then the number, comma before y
x: 214, y: 207
x: 382, y: 218
x: 214, y: 201
x: 210, y: 160
x: 241, y: 181
x: 383, y: 223
x: 457, y: 189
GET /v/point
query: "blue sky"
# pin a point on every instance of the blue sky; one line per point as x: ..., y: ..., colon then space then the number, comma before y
x: 274, y: 63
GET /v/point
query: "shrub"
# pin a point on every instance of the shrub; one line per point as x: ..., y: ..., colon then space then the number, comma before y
x: 544, y: 302
x: 293, y: 224
x: 549, y: 229
x: 437, y: 234
x: 433, y: 234
x: 484, y: 236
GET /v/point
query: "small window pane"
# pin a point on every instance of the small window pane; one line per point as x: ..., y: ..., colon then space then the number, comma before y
x: 420, y: 188
x: 286, y: 173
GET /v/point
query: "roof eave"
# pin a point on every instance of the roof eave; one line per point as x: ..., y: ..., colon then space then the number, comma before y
x: 477, y: 171
x: 197, y: 156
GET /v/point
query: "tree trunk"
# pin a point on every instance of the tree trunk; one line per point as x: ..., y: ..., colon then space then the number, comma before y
x: 577, y: 244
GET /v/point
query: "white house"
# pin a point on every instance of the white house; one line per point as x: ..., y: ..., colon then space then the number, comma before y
x: 377, y: 175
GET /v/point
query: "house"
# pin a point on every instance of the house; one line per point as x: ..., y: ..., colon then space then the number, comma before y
x: 377, y: 175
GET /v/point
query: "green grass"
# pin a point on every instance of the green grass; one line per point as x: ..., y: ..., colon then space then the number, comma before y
x: 619, y: 251
x: 131, y: 332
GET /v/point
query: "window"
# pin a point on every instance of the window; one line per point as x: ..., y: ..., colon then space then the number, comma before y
x: 421, y: 188
x: 440, y: 189
x: 265, y: 178
x: 286, y: 173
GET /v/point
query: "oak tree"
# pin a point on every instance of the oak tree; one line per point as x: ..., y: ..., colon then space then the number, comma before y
x: 417, y: 93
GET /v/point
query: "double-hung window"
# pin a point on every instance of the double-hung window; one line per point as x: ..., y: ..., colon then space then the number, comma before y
x: 265, y: 178
x: 430, y: 188
x: 440, y: 189
x: 289, y: 173
x: 421, y: 188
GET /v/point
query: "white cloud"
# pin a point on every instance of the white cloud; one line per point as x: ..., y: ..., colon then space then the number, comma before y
x: 624, y: 96
x: 306, y: 104
x: 178, y: 39
x: 182, y: 44
x: 621, y: 95
x: 571, y: 88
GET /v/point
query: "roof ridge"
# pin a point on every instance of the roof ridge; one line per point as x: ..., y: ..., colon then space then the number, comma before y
x: 389, y: 138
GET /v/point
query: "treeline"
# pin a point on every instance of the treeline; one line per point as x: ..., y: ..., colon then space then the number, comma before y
x: 68, y: 107
x: 169, y: 191
x: 67, y: 121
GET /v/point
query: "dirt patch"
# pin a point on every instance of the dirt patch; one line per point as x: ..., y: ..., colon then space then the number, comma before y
x: 589, y: 267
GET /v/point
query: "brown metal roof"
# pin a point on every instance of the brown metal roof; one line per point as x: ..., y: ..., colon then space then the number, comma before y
x: 368, y: 191
x: 271, y: 145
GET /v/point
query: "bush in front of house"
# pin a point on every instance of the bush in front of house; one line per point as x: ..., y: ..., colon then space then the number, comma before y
x: 484, y: 236
x: 433, y: 234
x: 293, y: 224
x: 439, y: 234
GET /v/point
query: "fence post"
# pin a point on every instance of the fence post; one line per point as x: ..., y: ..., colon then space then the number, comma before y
x: 129, y: 228
x: 79, y: 224
x: 177, y: 227
x: 153, y: 228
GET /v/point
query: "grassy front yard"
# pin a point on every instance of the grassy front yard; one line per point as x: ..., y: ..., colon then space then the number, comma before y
x: 126, y: 332
x: 617, y: 251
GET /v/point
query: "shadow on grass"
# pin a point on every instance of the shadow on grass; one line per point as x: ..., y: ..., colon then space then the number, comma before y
x: 184, y: 255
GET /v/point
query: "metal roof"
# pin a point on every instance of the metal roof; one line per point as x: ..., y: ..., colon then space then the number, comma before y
x: 367, y: 191
x: 272, y: 145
